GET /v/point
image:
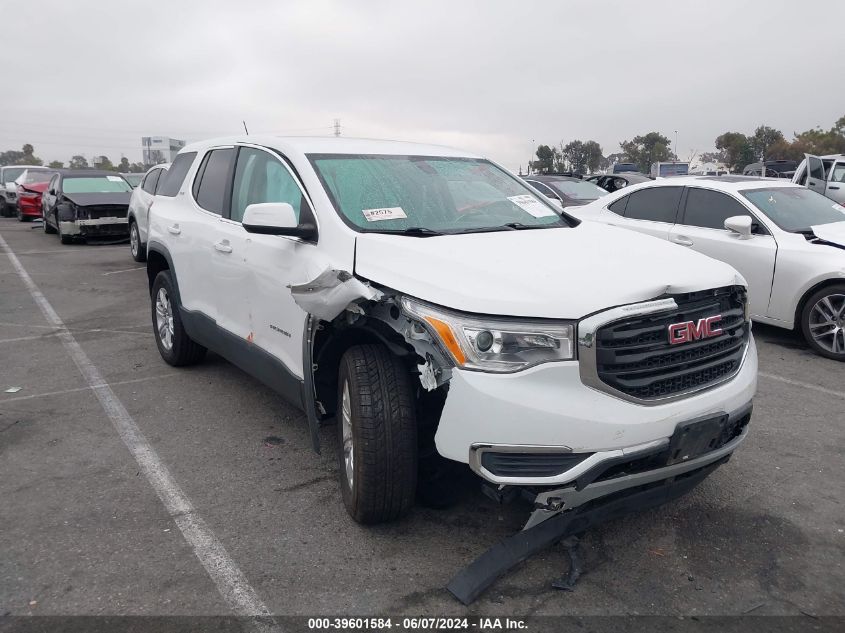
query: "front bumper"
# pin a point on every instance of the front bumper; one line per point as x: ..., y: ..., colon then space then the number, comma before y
x: 95, y: 227
x: 549, y: 409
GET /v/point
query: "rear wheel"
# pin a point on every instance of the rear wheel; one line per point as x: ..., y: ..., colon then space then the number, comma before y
x: 823, y: 321
x: 174, y: 344
x: 136, y: 246
x: 377, y: 435
x: 21, y: 216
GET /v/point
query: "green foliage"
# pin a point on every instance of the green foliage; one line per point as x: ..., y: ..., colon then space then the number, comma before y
x: 737, y: 149
x: 24, y: 157
x: 580, y: 156
x: 78, y: 162
x: 764, y: 137
x: 547, y: 160
x: 137, y: 168
x: 647, y: 149
x: 56, y: 164
x: 103, y: 162
x: 123, y: 166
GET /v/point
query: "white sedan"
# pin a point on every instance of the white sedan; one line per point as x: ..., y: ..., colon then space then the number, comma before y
x: 787, y: 241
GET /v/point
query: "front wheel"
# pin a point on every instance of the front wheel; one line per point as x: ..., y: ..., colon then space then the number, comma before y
x: 64, y: 239
x: 823, y: 321
x: 174, y: 344
x: 136, y: 247
x: 377, y: 435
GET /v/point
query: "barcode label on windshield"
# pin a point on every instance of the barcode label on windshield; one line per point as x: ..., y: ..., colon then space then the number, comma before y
x: 532, y: 206
x: 386, y: 213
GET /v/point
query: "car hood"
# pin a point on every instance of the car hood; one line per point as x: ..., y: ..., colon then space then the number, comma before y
x: 564, y: 273
x: 834, y: 232
x: 90, y: 199
x: 38, y: 187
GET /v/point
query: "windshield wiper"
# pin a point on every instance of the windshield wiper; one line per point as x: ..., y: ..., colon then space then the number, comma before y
x: 418, y: 231
x: 519, y: 226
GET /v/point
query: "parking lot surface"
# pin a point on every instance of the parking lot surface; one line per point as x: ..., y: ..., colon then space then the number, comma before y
x: 84, y: 531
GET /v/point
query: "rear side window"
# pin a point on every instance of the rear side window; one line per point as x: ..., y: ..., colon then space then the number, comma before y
x: 175, y: 176
x: 212, y: 178
x: 709, y: 209
x: 151, y: 180
x: 655, y: 204
x: 618, y: 207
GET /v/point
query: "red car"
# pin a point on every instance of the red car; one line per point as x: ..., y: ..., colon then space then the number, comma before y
x: 30, y: 185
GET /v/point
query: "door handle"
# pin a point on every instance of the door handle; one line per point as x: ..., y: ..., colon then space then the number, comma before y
x: 175, y: 230
x: 683, y: 241
x: 223, y: 246
x: 832, y: 187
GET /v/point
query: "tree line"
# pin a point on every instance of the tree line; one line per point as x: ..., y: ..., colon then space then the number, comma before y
x: 734, y: 149
x: 26, y: 156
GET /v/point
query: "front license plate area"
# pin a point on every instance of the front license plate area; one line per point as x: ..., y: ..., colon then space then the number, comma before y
x: 692, y: 439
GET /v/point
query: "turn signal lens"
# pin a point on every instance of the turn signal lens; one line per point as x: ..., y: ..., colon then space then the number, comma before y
x: 444, y: 331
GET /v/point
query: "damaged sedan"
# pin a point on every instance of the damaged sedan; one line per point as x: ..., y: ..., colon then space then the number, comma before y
x: 428, y: 302
x: 86, y: 203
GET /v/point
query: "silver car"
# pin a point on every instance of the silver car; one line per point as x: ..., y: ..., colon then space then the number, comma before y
x: 823, y: 174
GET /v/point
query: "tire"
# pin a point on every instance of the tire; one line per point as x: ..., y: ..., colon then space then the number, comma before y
x: 21, y: 216
x: 64, y: 239
x: 377, y: 435
x: 137, y: 248
x: 49, y: 230
x: 174, y: 344
x: 823, y: 321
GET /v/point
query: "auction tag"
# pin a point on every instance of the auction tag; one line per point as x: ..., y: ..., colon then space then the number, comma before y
x: 530, y: 204
x: 115, y: 178
x: 386, y: 213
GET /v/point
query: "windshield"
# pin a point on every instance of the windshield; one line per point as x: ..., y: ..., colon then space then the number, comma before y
x: 795, y: 209
x: 393, y: 194
x: 32, y: 177
x: 95, y: 184
x: 577, y: 189
x: 133, y: 179
x: 11, y: 174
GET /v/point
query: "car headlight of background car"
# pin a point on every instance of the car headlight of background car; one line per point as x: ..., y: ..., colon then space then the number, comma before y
x: 492, y: 344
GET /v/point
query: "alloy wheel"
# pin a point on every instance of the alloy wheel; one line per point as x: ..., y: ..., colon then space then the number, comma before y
x: 134, y: 239
x: 348, y: 444
x: 827, y: 323
x: 164, y: 319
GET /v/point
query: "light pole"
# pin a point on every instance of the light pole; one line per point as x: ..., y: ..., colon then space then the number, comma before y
x: 676, y: 145
x: 528, y: 169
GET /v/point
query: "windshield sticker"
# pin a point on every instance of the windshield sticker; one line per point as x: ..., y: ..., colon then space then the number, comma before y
x: 386, y: 213
x: 531, y: 205
x: 115, y: 178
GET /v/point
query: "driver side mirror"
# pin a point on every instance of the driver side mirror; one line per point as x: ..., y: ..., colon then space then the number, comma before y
x: 276, y: 218
x: 740, y: 224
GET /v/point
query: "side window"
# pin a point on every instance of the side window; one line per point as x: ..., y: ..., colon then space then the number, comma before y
x: 175, y: 176
x: 816, y: 167
x: 618, y: 207
x: 212, y: 178
x: 655, y: 204
x: 261, y: 177
x: 838, y: 173
x: 709, y: 209
x: 54, y: 183
x: 151, y: 180
x: 160, y: 182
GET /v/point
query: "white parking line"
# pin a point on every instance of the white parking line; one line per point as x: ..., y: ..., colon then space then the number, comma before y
x: 230, y: 581
x: 806, y: 385
x: 125, y: 270
x: 78, y: 389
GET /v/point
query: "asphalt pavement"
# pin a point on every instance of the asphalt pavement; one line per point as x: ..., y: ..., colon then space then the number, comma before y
x: 87, y: 529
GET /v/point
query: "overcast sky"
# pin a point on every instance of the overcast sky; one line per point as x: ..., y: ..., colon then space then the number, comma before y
x: 495, y: 77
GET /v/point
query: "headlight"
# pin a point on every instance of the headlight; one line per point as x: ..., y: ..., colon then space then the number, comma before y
x: 493, y: 344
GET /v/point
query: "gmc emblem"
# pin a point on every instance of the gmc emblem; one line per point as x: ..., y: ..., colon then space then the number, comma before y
x: 689, y: 331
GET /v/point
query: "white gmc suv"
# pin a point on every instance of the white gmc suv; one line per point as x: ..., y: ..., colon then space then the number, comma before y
x: 432, y: 303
